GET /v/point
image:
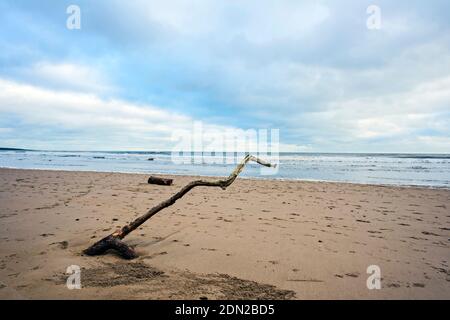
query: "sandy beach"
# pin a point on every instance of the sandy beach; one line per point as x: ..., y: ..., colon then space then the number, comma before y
x: 259, y: 239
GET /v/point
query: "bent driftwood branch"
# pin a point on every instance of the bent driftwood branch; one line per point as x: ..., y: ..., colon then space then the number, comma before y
x: 113, y: 241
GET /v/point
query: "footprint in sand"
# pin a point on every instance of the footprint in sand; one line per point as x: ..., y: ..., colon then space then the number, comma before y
x: 352, y: 274
x: 62, y: 245
x: 46, y: 235
x: 393, y: 285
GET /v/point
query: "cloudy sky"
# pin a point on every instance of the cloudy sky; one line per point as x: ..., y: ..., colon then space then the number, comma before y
x: 138, y: 70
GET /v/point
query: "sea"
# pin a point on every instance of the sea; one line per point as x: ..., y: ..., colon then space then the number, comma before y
x: 426, y: 170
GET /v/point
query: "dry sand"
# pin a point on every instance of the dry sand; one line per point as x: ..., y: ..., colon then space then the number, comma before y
x: 258, y: 239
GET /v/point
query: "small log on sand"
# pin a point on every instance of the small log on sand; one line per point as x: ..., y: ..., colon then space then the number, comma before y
x: 114, y: 240
x: 160, y: 181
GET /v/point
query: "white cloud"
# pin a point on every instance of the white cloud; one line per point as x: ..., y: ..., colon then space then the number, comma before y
x: 97, y: 123
x: 89, y: 115
x: 70, y: 76
x: 259, y: 21
x: 412, y: 120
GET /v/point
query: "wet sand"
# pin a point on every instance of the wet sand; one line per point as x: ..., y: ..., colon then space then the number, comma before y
x: 259, y: 239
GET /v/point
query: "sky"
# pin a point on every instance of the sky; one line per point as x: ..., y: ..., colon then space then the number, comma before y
x: 136, y: 71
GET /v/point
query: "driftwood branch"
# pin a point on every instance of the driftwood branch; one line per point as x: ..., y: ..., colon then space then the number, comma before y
x: 113, y: 241
x: 160, y: 181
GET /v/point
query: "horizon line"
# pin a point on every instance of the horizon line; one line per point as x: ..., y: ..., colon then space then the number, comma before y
x: 167, y: 151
